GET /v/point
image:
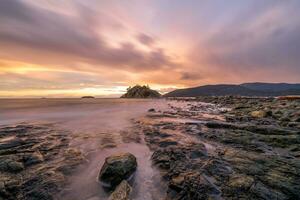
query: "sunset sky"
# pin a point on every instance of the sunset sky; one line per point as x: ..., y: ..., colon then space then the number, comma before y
x: 72, y: 48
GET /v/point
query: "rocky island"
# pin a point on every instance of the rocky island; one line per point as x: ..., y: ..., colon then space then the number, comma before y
x: 141, y: 92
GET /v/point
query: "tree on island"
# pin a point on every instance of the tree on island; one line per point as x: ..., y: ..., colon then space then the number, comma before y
x: 139, y: 91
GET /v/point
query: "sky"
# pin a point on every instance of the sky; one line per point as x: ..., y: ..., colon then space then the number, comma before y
x: 72, y: 48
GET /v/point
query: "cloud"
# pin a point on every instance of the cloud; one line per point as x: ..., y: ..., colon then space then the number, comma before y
x: 87, y: 44
x: 145, y: 39
x: 268, y: 40
x: 76, y: 36
x: 190, y: 76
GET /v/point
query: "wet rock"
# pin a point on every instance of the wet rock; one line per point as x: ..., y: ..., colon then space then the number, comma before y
x: 9, y: 165
x: 72, y: 158
x: 39, y: 194
x: 240, y: 182
x: 2, y: 189
x: 11, y: 143
x: 2, y: 186
x: 151, y: 110
x: 30, y: 159
x: 117, y: 168
x: 219, y: 169
x: 122, y: 191
x: 94, y: 198
x: 194, y: 186
x: 167, y: 142
x: 221, y: 125
x: 168, y: 158
x: 34, y: 158
x: 43, y: 186
x: 268, y: 130
x: 176, y: 182
x: 255, y: 156
x: 261, y: 191
x: 12, y: 187
x: 260, y: 113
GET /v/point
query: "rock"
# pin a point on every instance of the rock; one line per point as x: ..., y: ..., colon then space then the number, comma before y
x: 263, y: 192
x: 73, y: 157
x: 151, y: 110
x: 122, y: 191
x: 94, y: 198
x: 13, y: 186
x: 167, y: 142
x: 241, y: 182
x: 221, y: 125
x: 195, y: 186
x: 176, y: 182
x: 34, y: 158
x: 249, y: 157
x: 23, y: 171
x: 2, y: 188
x: 260, y: 114
x: 267, y: 130
x: 11, y: 143
x: 117, y: 168
x: 9, y: 165
x: 39, y: 194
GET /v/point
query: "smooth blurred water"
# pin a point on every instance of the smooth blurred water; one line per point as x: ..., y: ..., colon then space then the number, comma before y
x: 92, y: 123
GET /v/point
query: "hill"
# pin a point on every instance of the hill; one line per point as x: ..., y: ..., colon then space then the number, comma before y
x: 271, y: 87
x: 245, y: 89
x: 141, y: 92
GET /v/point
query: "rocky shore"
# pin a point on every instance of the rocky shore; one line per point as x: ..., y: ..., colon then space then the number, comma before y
x: 227, y: 147
x: 34, y: 161
x: 203, y: 148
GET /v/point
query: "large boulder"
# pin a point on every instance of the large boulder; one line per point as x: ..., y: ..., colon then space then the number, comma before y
x: 117, y: 168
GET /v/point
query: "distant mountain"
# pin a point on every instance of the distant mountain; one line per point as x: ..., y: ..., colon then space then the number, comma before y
x: 245, y: 89
x: 141, y: 92
x: 271, y: 87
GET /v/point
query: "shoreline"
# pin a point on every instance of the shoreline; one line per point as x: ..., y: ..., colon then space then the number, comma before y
x: 252, y: 152
x: 208, y: 147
